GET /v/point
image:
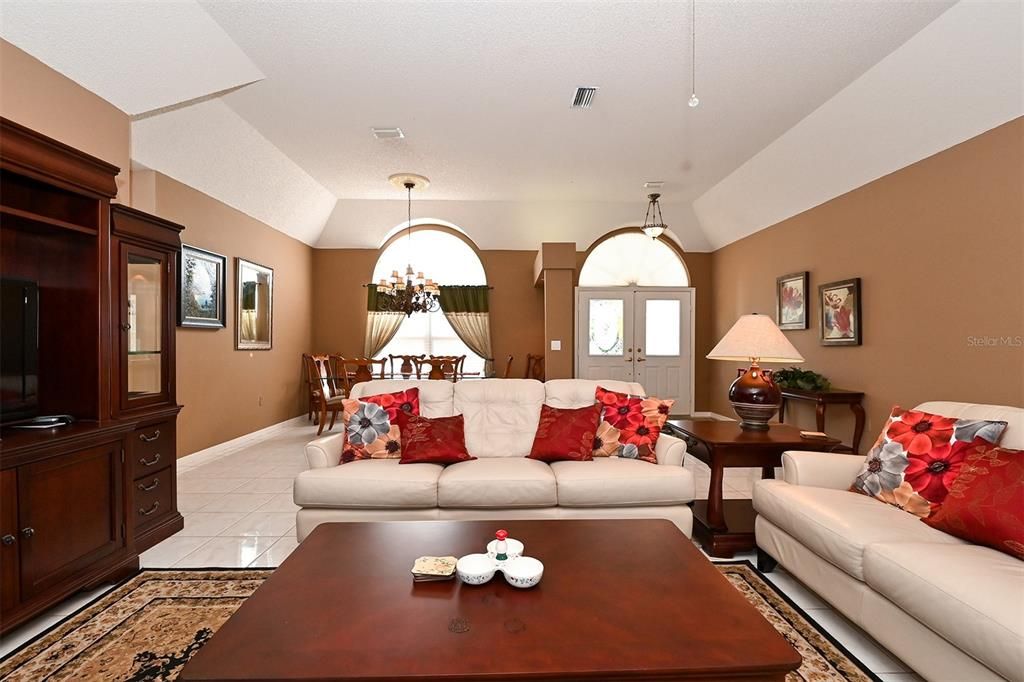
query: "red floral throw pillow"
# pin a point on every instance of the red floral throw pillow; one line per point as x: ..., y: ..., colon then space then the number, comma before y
x: 441, y: 440
x: 918, y: 456
x: 565, y: 435
x: 372, y: 424
x: 985, y: 504
x: 630, y: 425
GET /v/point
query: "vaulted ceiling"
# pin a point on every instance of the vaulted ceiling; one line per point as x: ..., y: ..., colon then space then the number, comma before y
x: 482, y: 92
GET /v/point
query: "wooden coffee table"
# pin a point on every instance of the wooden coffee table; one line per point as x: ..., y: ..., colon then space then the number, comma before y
x: 620, y: 600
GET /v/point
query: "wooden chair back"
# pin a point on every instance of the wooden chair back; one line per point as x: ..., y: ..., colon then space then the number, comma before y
x: 534, y: 367
x: 408, y: 366
x: 508, y: 368
x: 320, y: 374
x: 451, y: 366
x: 357, y: 370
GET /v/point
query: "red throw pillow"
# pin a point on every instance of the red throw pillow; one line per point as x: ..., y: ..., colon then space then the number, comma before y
x: 441, y: 440
x: 918, y: 456
x: 985, y: 504
x: 373, y: 424
x: 630, y: 425
x: 566, y: 434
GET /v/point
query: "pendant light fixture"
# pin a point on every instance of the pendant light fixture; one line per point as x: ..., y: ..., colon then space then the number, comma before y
x: 693, y: 101
x: 654, y: 224
x: 414, y: 294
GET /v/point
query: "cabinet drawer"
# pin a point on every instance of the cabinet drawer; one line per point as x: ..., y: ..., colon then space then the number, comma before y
x: 152, y: 448
x: 152, y: 498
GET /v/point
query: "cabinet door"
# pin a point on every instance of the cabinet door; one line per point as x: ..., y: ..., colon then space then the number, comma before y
x: 9, y: 548
x: 70, y: 514
x: 146, y: 321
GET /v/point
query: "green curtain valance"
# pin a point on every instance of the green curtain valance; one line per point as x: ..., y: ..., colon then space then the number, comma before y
x: 465, y: 299
x: 372, y: 300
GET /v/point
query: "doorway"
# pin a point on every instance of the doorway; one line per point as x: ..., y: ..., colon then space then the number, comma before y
x: 639, y: 334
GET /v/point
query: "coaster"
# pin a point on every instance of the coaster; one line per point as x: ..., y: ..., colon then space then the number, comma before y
x: 434, y: 568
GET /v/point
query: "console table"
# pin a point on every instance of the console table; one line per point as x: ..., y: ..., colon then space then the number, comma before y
x: 724, y: 527
x: 821, y: 400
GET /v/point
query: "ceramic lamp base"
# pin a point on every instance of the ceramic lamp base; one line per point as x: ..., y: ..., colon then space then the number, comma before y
x: 754, y: 417
x: 755, y: 398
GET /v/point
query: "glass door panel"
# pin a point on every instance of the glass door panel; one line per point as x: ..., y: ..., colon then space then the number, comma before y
x: 662, y: 326
x: 143, y: 328
x: 605, y: 334
x: 606, y: 326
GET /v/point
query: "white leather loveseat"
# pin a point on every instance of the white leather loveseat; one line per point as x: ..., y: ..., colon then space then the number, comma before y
x: 950, y: 609
x: 501, y: 417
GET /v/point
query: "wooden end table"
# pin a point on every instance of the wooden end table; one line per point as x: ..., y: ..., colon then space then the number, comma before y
x: 724, y: 527
x: 620, y: 600
x: 823, y: 399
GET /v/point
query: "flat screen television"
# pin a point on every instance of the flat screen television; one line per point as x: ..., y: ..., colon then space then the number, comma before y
x: 19, y: 349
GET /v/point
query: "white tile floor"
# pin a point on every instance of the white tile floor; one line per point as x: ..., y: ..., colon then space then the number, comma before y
x: 239, y: 513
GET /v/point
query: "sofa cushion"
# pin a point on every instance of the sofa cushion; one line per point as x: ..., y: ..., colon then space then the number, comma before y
x: 435, y: 395
x: 838, y: 525
x: 497, y: 482
x: 633, y: 421
x: 501, y: 415
x: 372, y: 424
x: 369, y: 484
x: 570, y: 393
x: 970, y: 595
x: 620, y: 482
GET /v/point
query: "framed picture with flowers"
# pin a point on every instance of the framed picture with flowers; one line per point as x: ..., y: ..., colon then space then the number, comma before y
x: 791, y: 301
x: 841, y: 322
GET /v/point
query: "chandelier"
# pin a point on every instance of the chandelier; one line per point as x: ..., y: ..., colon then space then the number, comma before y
x: 654, y: 224
x: 414, y: 293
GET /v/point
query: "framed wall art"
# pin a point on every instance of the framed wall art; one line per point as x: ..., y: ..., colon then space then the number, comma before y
x: 841, y: 322
x: 791, y: 301
x: 201, y: 301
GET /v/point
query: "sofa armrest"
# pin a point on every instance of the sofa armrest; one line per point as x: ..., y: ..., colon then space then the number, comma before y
x: 820, y: 469
x: 325, y: 452
x: 669, y: 450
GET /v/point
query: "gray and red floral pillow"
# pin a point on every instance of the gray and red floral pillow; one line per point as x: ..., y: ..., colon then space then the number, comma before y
x: 917, y: 457
x: 373, y: 424
x: 630, y: 425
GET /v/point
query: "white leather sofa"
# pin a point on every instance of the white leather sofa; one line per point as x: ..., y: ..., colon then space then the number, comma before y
x: 501, y: 418
x: 950, y: 609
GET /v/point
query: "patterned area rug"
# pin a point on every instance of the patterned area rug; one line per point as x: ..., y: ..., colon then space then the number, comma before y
x: 151, y: 625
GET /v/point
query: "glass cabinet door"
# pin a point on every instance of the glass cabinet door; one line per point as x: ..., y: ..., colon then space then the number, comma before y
x: 143, y: 326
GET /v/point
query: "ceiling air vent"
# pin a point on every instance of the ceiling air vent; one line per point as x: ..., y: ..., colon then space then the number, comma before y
x: 388, y: 133
x: 584, y: 97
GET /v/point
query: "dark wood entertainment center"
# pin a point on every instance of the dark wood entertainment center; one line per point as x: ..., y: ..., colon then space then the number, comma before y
x: 79, y: 503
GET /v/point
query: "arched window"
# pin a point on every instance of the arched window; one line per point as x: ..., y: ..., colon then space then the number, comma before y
x: 632, y: 258
x: 447, y: 259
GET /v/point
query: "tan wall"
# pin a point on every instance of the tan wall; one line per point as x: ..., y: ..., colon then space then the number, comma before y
x: 517, y: 307
x: 939, y: 247
x: 221, y: 388
x: 42, y: 99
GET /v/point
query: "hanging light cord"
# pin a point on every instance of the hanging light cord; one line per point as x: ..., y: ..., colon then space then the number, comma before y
x: 693, y: 47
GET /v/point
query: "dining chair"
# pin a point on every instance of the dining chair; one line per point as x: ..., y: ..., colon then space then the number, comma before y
x: 408, y: 366
x: 451, y: 366
x: 508, y: 368
x: 534, y: 367
x: 357, y: 370
x: 323, y: 389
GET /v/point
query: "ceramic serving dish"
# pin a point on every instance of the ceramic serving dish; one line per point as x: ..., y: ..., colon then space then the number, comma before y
x: 475, y: 569
x: 522, y: 571
x: 513, y: 548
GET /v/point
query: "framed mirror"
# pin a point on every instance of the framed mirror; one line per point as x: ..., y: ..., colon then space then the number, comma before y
x: 254, y: 305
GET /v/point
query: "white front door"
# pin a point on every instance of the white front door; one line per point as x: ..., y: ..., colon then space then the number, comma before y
x: 641, y: 334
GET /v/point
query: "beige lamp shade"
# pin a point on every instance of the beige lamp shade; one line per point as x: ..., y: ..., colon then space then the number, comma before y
x: 755, y: 337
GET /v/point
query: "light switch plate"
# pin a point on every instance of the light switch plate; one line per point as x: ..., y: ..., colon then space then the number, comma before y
x: 556, y: 344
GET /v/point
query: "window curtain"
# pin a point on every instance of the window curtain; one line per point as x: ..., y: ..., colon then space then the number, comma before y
x: 467, y: 309
x: 381, y: 325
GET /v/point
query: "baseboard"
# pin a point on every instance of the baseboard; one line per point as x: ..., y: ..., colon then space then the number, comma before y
x: 714, y: 415
x: 215, y: 452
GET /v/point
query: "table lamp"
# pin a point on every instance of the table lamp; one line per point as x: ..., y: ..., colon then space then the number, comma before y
x: 754, y: 396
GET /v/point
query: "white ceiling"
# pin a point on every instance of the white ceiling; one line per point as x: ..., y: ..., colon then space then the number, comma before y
x: 482, y: 90
x: 139, y: 56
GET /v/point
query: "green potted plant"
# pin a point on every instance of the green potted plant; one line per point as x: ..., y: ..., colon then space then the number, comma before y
x: 803, y: 379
